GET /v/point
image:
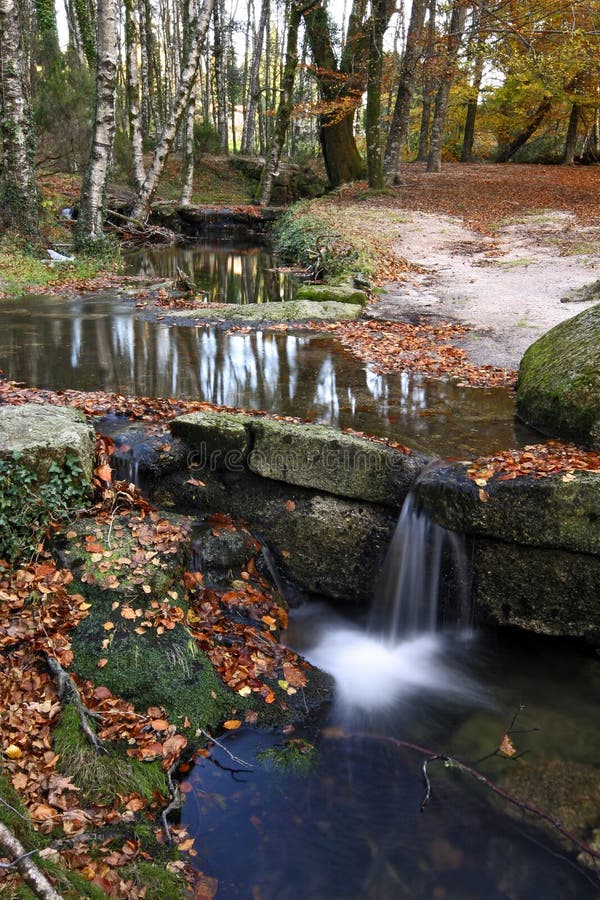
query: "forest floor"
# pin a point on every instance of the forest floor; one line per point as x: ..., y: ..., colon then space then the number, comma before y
x: 496, y: 248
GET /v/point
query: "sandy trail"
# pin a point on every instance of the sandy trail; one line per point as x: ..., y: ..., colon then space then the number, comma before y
x: 507, y: 288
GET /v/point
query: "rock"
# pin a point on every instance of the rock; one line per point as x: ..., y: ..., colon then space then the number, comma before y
x: 546, y: 591
x: 341, y: 293
x: 536, y: 546
x: 313, y: 456
x: 589, y: 293
x: 328, y: 545
x: 288, y: 311
x: 539, y: 512
x: 559, y: 380
x: 43, y: 434
x: 326, y: 459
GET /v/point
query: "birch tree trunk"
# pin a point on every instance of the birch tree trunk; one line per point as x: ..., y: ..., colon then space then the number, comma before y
x: 188, y: 151
x: 18, y: 192
x: 141, y: 208
x: 248, y: 131
x: 404, y: 95
x: 93, y: 189
x: 31, y: 874
x: 440, y: 112
x: 284, y: 110
x: 133, y: 91
x: 220, y: 57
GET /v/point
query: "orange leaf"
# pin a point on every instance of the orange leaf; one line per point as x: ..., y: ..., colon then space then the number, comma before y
x: 507, y: 747
x: 232, y: 724
x: 290, y: 505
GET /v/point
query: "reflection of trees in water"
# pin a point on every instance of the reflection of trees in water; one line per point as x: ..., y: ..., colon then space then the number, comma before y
x: 227, y: 274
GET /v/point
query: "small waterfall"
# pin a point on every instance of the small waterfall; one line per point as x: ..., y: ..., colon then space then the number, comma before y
x: 425, y: 583
x: 414, y: 641
x: 126, y: 467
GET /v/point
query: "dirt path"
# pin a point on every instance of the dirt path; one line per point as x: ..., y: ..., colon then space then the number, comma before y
x: 508, y: 287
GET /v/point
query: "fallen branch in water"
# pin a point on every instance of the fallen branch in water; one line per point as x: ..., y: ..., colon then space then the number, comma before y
x: 452, y: 763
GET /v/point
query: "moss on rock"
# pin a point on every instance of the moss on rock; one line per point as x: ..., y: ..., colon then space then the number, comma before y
x: 341, y: 293
x: 288, y: 311
x: 559, y: 380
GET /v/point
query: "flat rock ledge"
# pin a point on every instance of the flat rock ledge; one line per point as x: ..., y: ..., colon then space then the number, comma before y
x: 42, y: 434
x: 535, y: 546
x: 286, y: 311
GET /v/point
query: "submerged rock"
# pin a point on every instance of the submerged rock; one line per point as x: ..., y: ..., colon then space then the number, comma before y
x: 42, y: 434
x: 559, y: 380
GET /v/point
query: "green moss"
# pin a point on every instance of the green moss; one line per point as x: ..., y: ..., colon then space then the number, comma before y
x: 101, y: 776
x: 296, y: 755
x: 559, y: 379
x: 159, y: 882
x: 342, y: 293
x: 289, y: 311
x: 22, y: 268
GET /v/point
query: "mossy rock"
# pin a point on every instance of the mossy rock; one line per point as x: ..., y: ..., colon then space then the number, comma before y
x: 341, y: 293
x: 42, y: 434
x: 558, y: 388
x: 288, y: 311
x: 538, y: 512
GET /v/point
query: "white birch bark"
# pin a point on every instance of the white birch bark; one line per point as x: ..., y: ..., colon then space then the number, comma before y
x: 31, y: 874
x: 18, y: 193
x: 93, y: 190
x: 132, y: 28
x: 141, y: 209
x: 248, y: 130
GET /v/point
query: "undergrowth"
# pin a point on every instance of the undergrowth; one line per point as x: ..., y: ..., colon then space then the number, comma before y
x: 28, y: 508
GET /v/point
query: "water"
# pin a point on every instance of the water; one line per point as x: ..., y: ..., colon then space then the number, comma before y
x: 225, y: 270
x: 99, y: 342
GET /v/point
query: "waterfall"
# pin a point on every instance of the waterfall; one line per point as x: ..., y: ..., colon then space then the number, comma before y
x: 425, y: 584
x: 414, y: 642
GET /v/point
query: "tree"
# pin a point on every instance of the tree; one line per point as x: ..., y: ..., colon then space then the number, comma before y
x: 132, y: 79
x: 93, y: 190
x: 141, y: 208
x: 18, y: 190
x: 284, y: 110
x: 406, y: 87
x: 440, y: 112
x: 379, y: 21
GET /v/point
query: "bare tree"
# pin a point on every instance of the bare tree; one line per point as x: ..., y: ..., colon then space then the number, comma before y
x: 18, y: 191
x: 141, y: 208
x: 93, y: 189
x: 453, y: 41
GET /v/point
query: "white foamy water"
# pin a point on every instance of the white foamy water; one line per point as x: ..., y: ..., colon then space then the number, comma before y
x: 374, y: 675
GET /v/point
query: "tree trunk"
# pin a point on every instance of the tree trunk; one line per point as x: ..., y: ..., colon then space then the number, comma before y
x: 141, y: 208
x: 478, y: 43
x: 440, y: 112
x: 33, y: 877
x: 188, y: 152
x: 523, y: 136
x: 133, y: 92
x: 87, y: 30
x: 248, y: 130
x: 429, y: 85
x: 93, y: 189
x: 571, y: 139
x: 18, y: 192
x: 284, y: 111
x: 343, y: 162
x: 373, y: 112
x: 406, y: 87
x: 219, y: 53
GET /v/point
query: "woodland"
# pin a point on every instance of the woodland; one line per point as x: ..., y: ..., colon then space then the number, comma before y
x: 108, y: 91
x: 112, y: 111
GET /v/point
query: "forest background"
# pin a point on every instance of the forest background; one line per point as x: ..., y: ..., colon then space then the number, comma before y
x: 107, y: 90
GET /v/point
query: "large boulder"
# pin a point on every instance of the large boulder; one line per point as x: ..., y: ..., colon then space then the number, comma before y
x: 42, y: 434
x: 559, y: 380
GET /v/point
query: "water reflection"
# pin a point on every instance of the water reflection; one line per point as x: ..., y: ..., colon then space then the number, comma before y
x: 227, y: 272
x: 100, y: 343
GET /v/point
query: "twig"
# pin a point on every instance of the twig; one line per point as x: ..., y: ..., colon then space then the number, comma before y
x: 175, y: 803
x: 68, y: 693
x: 453, y: 763
x: 235, y: 759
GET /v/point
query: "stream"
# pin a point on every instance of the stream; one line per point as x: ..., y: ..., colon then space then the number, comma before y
x: 349, y: 827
